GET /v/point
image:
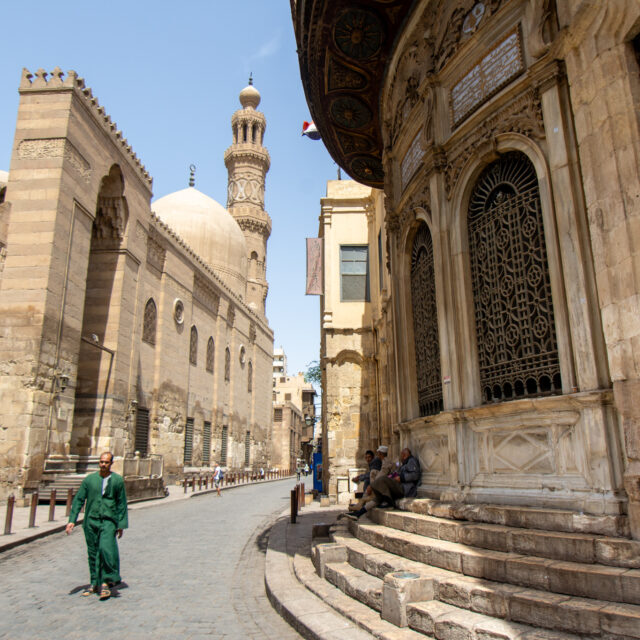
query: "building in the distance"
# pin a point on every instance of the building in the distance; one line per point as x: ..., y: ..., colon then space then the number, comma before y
x: 125, y: 324
x: 279, y: 363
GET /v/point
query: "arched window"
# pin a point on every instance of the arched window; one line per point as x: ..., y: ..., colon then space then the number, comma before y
x: 210, y: 355
x: 193, y: 346
x: 227, y: 364
x: 149, y: 323
x: 425, y: 323
x: 250, y: 377
x: 515, y: 327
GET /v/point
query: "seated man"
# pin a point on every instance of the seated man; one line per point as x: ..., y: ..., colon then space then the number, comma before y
x: 375, y: 466
x: 372, y: 463
x: 388, y: 489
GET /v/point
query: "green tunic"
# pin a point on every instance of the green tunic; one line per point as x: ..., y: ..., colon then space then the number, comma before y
x: 104, y: 515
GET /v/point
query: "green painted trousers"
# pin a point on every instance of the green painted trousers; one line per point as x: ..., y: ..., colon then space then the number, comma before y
x: 102, y: 549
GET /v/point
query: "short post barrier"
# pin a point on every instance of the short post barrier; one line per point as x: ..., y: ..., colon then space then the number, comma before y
x: 9, y: 517
x: 69, y: 501
x: 52, y: 505
x: 199, y: 483
x: 32, y: 510
x: 206, y: 482
x: 193, y: 484
x: 294, y: 505
x: 185, y: 483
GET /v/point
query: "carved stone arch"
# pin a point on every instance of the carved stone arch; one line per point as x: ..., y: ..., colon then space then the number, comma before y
x: 349, y: 355
x: 112, y: 211
x: 149, y: 322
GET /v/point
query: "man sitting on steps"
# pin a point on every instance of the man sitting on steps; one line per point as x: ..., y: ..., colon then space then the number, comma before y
x: 401, y: 484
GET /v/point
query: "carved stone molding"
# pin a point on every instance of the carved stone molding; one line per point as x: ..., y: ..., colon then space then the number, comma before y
x: 522, y: 115
x: 206, y: 294
x: 55, y: 148
x: 253, y: 225
x: 156, y: 253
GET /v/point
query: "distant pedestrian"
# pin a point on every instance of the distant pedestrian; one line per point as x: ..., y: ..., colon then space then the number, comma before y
x: 261, y: 473
x: 105, y: 517
x: 217, y: 478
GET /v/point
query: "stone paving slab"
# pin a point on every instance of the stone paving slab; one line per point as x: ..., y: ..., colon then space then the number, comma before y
x: 21, y: 533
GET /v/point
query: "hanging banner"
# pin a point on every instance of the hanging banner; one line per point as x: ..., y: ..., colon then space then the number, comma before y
x: 314, y: 267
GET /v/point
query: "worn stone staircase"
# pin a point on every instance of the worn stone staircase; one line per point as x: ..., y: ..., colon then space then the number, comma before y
x: 487, y: 572
x: 61, y: 483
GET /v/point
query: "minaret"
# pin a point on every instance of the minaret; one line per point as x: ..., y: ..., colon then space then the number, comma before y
x: 247, y: 162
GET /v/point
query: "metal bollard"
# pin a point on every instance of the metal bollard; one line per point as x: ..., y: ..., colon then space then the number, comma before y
x: 32, y: 511
x: 9, y: 517
x: 199, y: 483
x: 294, y: 505
x: 206, y: 482
x: 69, y: 501
x: 193, y: 484
x: 52, y: 505
x: 184, y: 483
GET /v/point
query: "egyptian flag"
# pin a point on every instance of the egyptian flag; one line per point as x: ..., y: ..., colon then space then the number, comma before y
x: 309, y: 130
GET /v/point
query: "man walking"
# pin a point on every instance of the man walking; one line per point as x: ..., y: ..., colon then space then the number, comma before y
x: 403, y: 484
x: 217, y: 478
x: 105, y: 517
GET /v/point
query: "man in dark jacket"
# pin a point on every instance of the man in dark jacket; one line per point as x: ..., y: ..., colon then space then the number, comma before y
x: 401, y: 484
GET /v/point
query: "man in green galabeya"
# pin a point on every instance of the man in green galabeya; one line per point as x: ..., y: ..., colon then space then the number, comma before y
x: 105, y: 517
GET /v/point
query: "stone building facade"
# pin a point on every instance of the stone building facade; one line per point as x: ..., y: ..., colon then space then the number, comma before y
x: 120, y: 331
x: 505, y: 137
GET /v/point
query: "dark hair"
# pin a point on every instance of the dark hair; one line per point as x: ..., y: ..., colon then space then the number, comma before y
x: 368, y: 452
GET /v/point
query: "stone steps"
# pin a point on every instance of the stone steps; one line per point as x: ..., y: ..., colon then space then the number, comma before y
x: 572, y: 578
x: 434, y: 618
x: 556, y: 545
x: 61, y: 484
x: 594, y: 618
x: 521, y: 517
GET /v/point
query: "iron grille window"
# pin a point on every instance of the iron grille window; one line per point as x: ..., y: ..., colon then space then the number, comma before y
x: 277, y: 415
x: 188, y: 442
x: 223, y: 445
x: 250, y: 377
x: 206, y: 444
x: 211, y: 350
x: 149, y: 322
x: 141, y: 442
x: 354, y: 273
x: 517, y: 348
x: 193, y: 346
x: 425, y: 323
x: 247, y: 448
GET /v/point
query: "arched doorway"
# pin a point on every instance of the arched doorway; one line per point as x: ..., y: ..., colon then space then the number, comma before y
x: 98, y: 337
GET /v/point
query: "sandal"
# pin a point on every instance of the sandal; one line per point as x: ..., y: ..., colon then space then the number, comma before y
x: 89, y: 591
x: 105, y: 592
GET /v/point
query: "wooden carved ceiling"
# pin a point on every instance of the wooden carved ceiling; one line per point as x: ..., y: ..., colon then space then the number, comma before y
x: 343, y: 49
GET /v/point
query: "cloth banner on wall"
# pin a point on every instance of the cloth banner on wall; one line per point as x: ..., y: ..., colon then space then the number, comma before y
x: 314, y: 267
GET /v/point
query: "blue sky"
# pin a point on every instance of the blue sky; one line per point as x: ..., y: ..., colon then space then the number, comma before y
x: 169, y: 75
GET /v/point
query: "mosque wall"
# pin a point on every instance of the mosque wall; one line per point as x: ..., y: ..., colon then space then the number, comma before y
x: 84, y: 256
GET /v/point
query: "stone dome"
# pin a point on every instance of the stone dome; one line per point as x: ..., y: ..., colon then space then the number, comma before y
x: 210, y: 230
x: 250, y: 97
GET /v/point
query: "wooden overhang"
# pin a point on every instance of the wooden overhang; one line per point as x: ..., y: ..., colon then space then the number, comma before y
x: 343, y: 49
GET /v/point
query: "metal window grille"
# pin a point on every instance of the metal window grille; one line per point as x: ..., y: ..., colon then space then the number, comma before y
x: 141, y: 441
x: 425, y: 324
x: 277, y: 415
x: 149, y: 322
x: 354, y: 273
x: 515, y: 326
x: 223, y: 445
x: 227, y: 364
x: 247, y: 448
x: 193, y: 346
x: 206, y: 444
x: 211, y: 350
x: 250, y: 377
x: 188, y: 442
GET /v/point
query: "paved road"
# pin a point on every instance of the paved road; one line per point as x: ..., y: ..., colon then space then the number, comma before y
x: 192, y: 570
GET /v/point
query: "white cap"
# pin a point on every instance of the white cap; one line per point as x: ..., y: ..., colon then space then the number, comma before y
x: 383, y: 449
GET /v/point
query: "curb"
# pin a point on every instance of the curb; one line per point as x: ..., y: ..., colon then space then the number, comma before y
x: 305, y: 612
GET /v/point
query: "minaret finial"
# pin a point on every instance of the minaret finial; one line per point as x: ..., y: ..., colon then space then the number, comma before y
x: 250, y: 78
x: 192, y: 172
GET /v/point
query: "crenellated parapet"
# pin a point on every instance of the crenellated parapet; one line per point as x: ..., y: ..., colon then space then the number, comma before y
x: 57, y: 80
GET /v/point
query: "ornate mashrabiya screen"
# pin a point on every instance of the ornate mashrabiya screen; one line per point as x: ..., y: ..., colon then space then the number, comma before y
x: 425, y: 323
x: 515, y: 328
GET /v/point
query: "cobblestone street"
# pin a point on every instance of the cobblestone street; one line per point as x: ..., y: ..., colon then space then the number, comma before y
x: 192, y: 569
